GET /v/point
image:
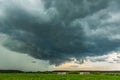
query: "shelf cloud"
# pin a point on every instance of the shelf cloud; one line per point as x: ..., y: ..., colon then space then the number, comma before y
x: 60, y: 30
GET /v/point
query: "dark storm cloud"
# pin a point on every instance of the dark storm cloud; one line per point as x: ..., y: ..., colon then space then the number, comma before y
x: 53, y: 30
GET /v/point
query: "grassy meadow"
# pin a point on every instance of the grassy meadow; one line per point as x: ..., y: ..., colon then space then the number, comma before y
x: 37, y: 76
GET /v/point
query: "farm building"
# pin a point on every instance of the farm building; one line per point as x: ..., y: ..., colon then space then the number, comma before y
x: 84, y: 72
x: 62, y: 73
x: 72, y: 72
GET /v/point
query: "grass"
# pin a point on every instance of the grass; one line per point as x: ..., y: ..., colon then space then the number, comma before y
x: 37, y: 76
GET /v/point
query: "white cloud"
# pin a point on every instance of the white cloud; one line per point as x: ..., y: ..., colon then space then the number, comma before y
x: 106, y: 62
x: 115, y: 17
x: 113, y: 57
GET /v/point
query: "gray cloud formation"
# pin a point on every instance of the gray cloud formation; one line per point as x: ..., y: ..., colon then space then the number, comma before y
x: 60, y: 30
x: 15, y: 61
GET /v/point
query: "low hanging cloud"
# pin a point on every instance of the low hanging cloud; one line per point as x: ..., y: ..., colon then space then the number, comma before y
x: 60, y: 30
x: 11, y: 60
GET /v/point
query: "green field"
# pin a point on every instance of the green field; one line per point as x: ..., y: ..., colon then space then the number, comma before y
x: 37, y: 76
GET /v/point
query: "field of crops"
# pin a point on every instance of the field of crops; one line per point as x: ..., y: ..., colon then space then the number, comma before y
x: 37, y: 76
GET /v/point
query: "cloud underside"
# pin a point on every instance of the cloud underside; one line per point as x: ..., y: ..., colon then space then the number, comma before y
x: 60, y: 30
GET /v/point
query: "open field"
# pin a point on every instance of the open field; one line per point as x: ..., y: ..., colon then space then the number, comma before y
x: 37, y: 76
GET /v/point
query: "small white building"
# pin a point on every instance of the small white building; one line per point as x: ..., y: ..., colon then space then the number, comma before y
x: 62, y: 73
x: 84, y: 72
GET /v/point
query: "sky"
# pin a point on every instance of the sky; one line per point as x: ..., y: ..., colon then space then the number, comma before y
x: 43, y: 35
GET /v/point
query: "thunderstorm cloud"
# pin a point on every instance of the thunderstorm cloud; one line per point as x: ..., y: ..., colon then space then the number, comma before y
x: 58, y: 30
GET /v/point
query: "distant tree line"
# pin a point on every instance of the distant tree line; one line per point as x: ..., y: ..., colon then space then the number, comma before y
x: 10, y: 71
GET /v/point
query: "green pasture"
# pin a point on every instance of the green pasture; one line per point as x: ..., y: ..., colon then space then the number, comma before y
x: 37, y: 76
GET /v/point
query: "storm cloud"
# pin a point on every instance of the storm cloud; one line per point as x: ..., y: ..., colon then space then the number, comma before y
x: 60, y: 30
